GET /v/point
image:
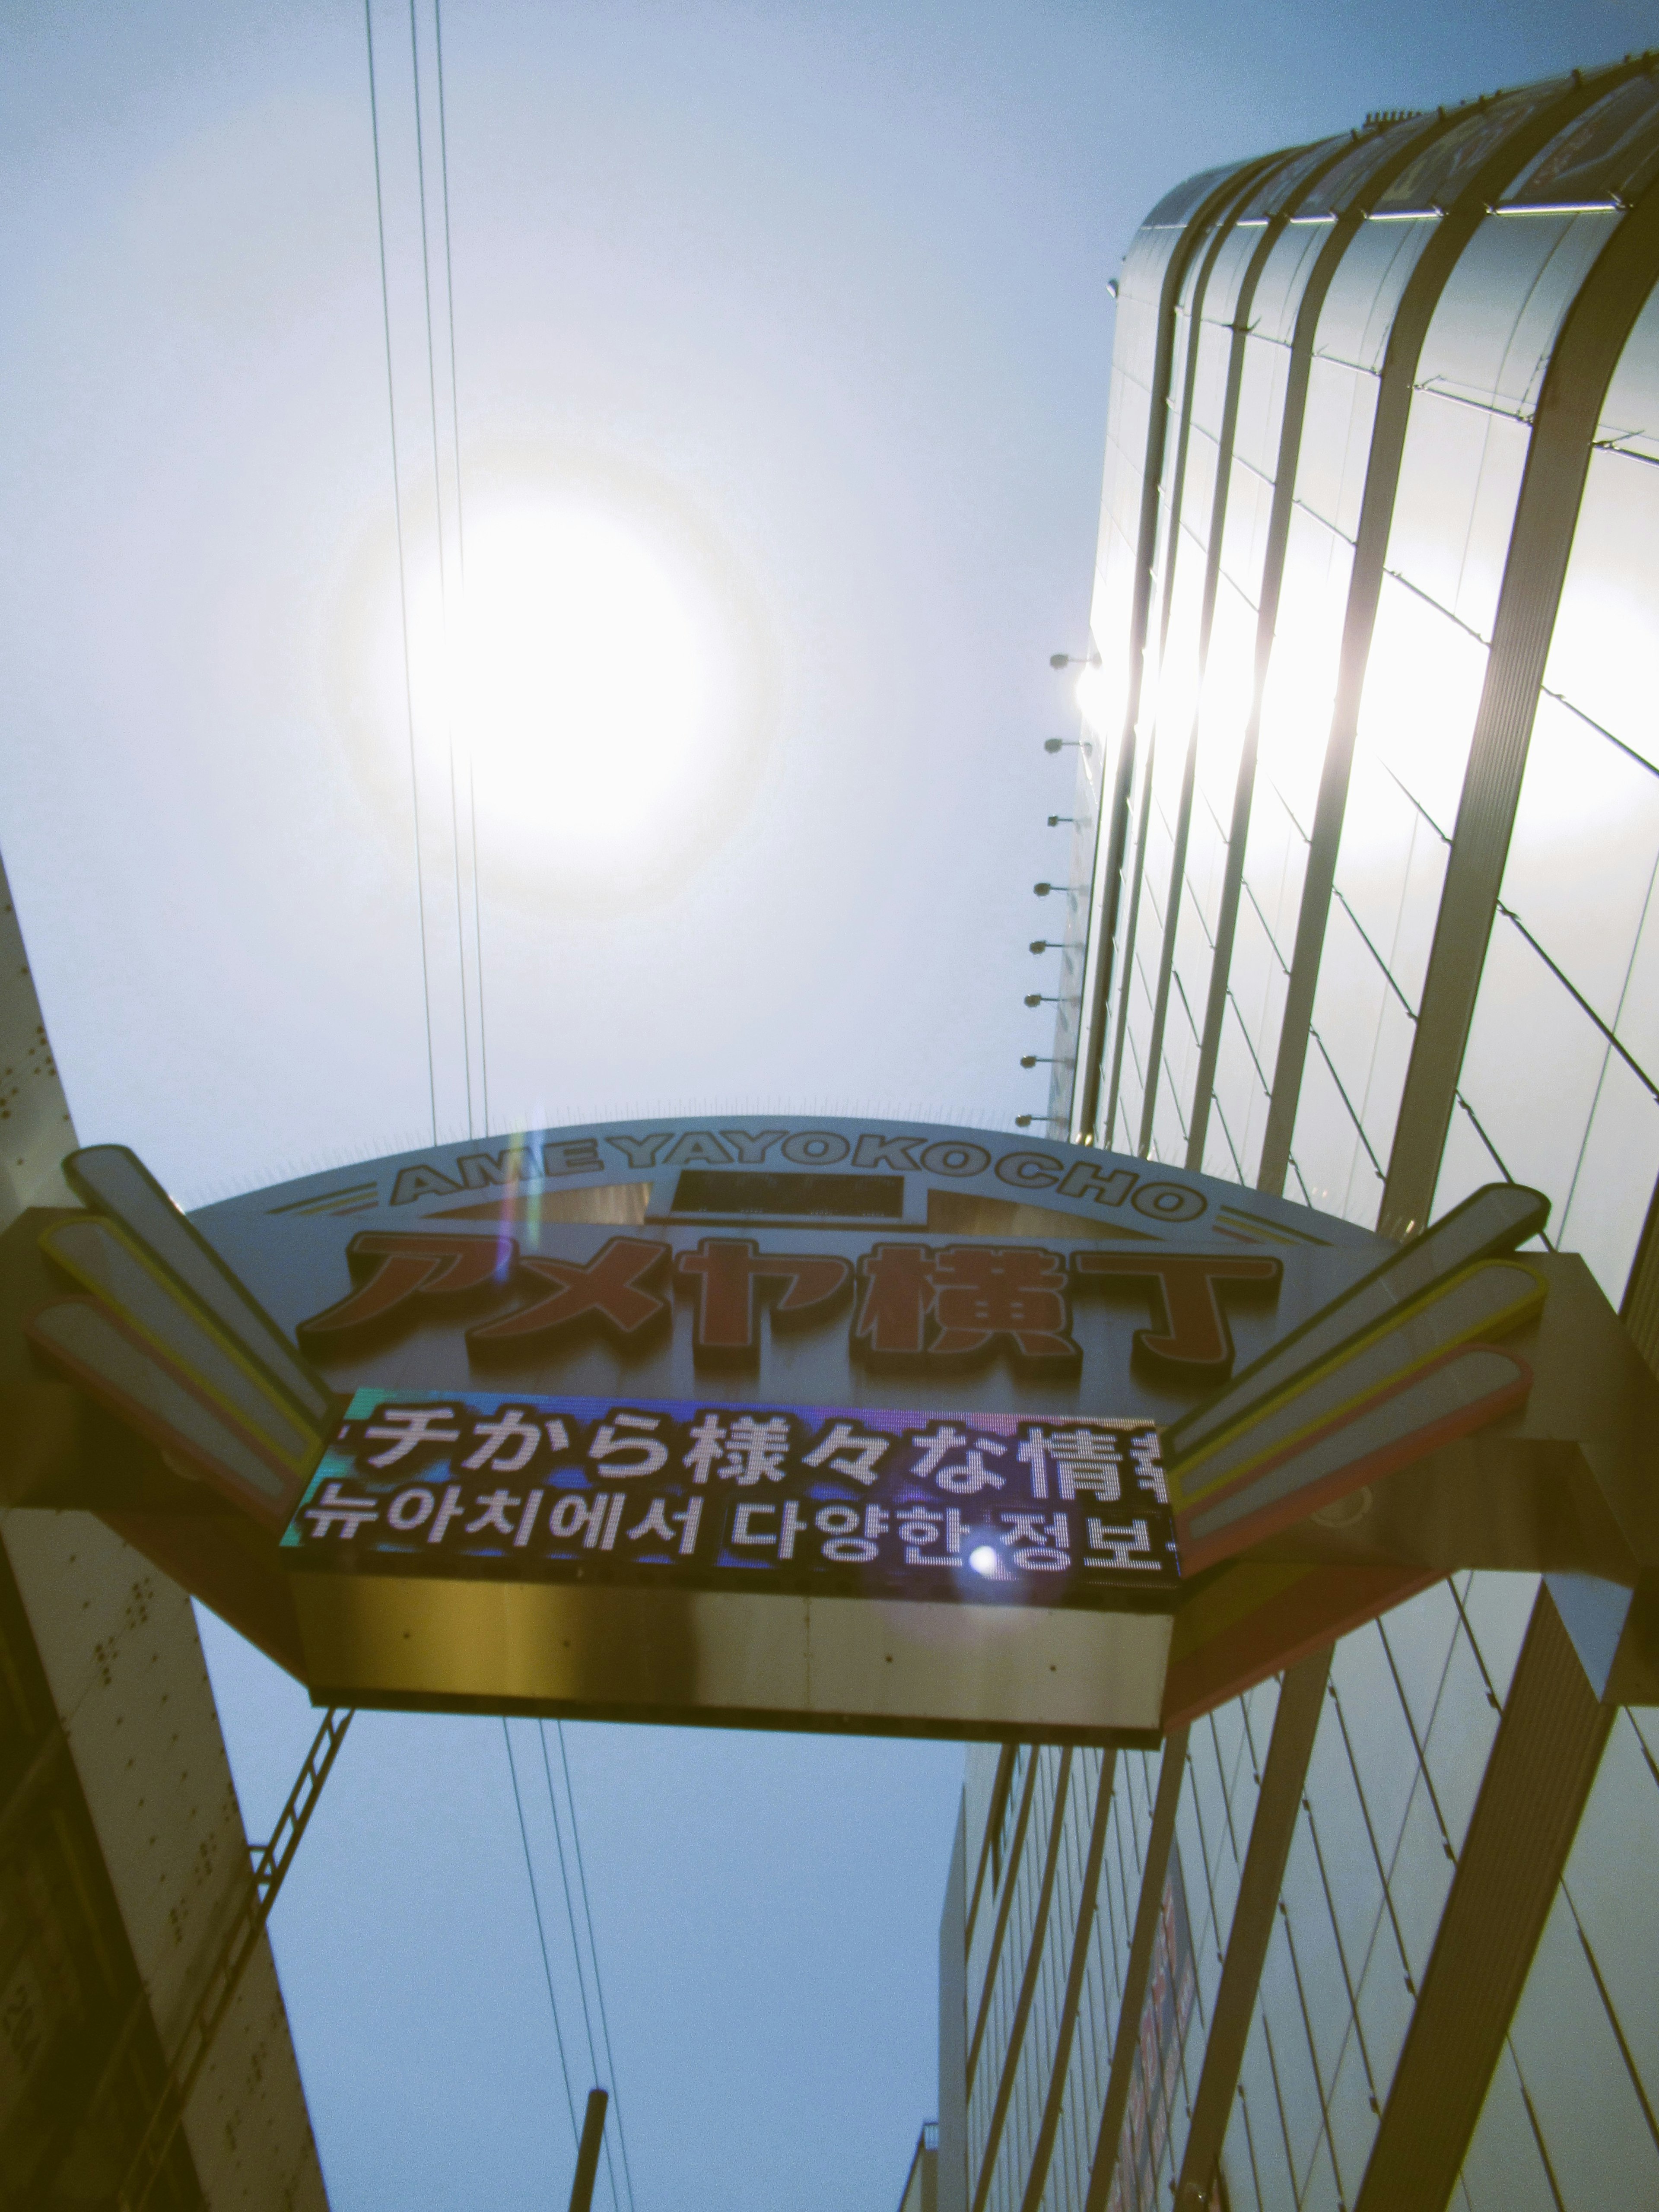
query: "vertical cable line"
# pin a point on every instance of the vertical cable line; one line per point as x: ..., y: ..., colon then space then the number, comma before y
x: 403, y: 574
x: 541, y: 1931
x: 443, y: 574
x: 575, y: 1946
x: 593, y: 1950
x: 460, y: 552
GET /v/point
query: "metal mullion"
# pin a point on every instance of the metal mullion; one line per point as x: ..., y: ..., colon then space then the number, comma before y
x: 1272, y: 1828
x: 1545, y: 691
x: 1422, y: 293
x: 1537, y: 2136
x: 1428, y: 599
x: 1204, y: 1852
x: 1249, y: 2145
x: 1207, y: 617
x: 1417, y: 1741
x: 1131, y: 964
x: 1342, y: 1958
x: 1364, y: 937
x: 1480, y: 1133
x: 1412, y: 799
x: 1538, y: 1778
x: 1267, y: 598
x: 1028, y: 1978
x: 1292, y: 417
x: 1121, y: 1917
x: 1306, y: 506
x: 1592, y: 338
x: 1613, y: 2021
x: 1042, y: 2149
x: 1227, y: 1782
x: 1125, y: 2042
x: 1016, y: 1850
x: 1278, y: 2100
x: 1112, y: 831
x: 1359, y: 1126
x: 1313, y: 2060
x: 1608, y: 1037
x: 1387, y: 1907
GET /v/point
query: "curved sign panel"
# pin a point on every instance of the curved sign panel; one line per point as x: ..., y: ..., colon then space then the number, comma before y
x: 825, y: 1424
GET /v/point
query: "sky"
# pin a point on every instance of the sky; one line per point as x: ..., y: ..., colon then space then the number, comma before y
x: 780, y: 341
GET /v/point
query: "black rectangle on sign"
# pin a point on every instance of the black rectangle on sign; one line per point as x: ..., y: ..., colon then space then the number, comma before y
x: 832, y: 1197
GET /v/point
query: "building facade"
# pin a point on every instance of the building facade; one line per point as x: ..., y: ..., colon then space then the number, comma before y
x: 123, y: 1863
x: 1361, y: 911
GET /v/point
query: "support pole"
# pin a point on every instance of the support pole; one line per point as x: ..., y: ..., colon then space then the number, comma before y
x: 588, y: 2157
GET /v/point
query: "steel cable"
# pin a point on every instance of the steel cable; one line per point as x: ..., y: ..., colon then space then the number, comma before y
x: 402, y: 570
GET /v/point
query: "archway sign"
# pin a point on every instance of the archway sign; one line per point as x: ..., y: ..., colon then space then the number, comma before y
x: 824, y: 1423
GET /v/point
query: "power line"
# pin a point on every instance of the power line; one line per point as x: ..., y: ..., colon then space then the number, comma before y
x: 460, y: 549
x: 443, y: 574
x: 575, y: 1944
x: 598, y: 1985
x: 403, y: 574
x: 534, y: 1900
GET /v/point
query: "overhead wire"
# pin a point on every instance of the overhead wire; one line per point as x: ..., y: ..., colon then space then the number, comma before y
x: 443, y: 571
x: 541, y: 1931
x: 403, y: 583
x: 575, y: 1946
x: 402, y: 568
x: 461, y: 547
x: 593, y: 1950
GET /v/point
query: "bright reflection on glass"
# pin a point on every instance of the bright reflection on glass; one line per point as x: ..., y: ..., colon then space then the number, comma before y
x: 984, y: 1561
x: 1100, y: 698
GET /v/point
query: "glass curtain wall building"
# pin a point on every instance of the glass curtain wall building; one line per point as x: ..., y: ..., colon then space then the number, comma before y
x: 1361, y: 910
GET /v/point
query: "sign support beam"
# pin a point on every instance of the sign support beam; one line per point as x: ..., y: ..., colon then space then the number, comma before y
x: 1542, y: 1765
x: 1284, y: 1778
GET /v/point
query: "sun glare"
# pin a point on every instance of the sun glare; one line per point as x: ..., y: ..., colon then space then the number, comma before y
x: 594, y: 676
x: 581, y: 682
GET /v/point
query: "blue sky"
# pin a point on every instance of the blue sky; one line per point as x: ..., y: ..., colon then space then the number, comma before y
x: 815, y: 297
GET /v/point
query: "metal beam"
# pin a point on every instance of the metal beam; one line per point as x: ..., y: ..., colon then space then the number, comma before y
x: 1043, y: 2151
x: 1292, y: 414
x: 1028, y: 1982
x: 1010, y: 1869
x: 1586, y: 353
x: 1211, y: 573
x: 1112, y: 827
x: 1126, y: 2044
x: 1417, y: 303
x: 1284, y: 1778
x: 1542, y: 1764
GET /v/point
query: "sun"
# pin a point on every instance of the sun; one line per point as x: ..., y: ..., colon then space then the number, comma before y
x: 583, y: 684
x: 588, y: 666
